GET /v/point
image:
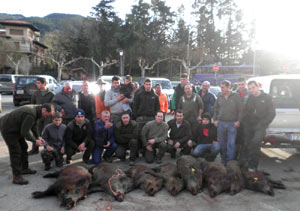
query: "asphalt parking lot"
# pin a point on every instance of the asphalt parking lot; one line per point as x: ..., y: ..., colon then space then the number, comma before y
x: 281, y: 164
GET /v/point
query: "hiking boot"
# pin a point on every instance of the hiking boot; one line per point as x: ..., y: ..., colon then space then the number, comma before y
x: 158, y: 160
x: 28, y: 171
x: 108, y: 159
x: 89, y: 162
x: 47, y: 167
x: 19, y: 180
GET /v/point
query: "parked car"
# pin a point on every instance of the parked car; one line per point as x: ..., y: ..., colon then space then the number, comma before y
x: 175, y: 84
x: 165, y: 83
x: 7, y: 83
x: 284, y: 131
x: 25, y: 86
x: 216, y: 90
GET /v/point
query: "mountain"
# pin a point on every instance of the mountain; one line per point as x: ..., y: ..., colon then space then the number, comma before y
x: 48, y: 23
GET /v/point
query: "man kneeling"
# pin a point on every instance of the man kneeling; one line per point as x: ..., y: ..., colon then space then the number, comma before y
x: 154, y: 135
x: 126, y: 133
x: 54, y: 146
x: 78, y: 137
x: 205, y: 135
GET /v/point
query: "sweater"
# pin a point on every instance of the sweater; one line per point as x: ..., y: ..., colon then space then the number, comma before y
x: 54, y: 135
x: 154, y: 130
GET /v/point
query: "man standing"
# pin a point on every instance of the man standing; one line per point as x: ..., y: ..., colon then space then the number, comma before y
x: 115, y: 100
x: 163, y: 100
x: 105, y: 139
x: 99, y: 99
x: 180, y: 135
x: 64, y: 102
x: 126, y: 133
x: 78, y: 137
x: 86, y: 103
x: 191, y: 105
x: 179, y: 92
x: 208, y: 98
x: 244, y: 95
x: 154, y: 136
x: 227, y: 116
x: 17, y: 126
x: 39, y: 97
x: 258, y: 114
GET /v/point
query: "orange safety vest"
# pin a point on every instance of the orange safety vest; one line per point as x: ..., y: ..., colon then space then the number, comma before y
x: 163, y: 101
x: 99, y: 105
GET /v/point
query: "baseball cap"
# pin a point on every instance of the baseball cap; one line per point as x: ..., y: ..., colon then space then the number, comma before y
x: 100, y: 81
x: 80, y: 112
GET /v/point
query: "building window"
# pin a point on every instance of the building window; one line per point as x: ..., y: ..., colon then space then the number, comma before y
x: 16, y: 31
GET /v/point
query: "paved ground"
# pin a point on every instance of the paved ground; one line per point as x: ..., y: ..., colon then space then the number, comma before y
x: 282, y: 165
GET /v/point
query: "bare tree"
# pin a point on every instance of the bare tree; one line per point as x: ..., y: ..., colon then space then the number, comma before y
x: 145, y: 66
x: 187, y: 69
x: 102, y: 64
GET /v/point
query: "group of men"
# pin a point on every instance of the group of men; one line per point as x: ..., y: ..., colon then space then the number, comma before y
x: 127, y: 117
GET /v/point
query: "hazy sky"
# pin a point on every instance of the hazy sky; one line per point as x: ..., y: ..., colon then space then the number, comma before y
x: 276, y: 20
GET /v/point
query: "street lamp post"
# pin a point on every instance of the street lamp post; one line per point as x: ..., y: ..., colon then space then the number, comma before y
x: 121, y: 63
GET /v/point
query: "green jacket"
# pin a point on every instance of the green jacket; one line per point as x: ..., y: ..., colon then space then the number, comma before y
x: 158, y: 131
x: 40, y: 97
x: 22, y: 122
x: 124, y: 133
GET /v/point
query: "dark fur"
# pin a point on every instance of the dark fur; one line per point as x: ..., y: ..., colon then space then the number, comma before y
x: 237, y: 179
x: 145, y: 181
x: 257, y: 181
x: 172, y: 182
x: 119, y: 182
x: 71, y: 185
x: 215, y: 176
x: 190, y: 171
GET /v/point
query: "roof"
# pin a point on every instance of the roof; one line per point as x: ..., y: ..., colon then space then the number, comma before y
x: 40, y: 44
x: 19, y: 23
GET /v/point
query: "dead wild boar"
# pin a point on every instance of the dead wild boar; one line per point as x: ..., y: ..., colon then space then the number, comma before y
x: 237, y: 179
x: 144, y: 180
x: 190, y: 171
x: 107, y: 177
x: 71, y: 185
x: 257, y: 181
x: 215, y: 176
x: 172, y: 182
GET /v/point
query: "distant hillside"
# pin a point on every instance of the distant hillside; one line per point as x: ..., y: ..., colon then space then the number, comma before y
x: 5, y: 16
x: 48, y: 23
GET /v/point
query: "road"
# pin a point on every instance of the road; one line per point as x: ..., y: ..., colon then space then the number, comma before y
x: 280, y: 164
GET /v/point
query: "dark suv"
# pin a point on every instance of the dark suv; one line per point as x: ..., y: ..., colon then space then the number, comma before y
x: 25, y: 86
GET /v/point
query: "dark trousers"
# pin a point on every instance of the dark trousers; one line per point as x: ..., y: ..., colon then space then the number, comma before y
x: 150, y: 155
x: 141, y: 121
x: 87, y: 153
x: 185, y: 149
x: 97, y: 152
x: 239, y: 141
x: 253, y: 138
x: 47, y: 157
x: 132, y: 146
x: 17, y: 148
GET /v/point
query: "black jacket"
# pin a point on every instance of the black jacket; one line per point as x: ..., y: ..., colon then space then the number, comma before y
x: 124, y: 133
x: 75, y: 135
x: 181, y: 134
x: 145, y: 104
x: 87, y: 103
x: 259, y: 110
x: 199, y: 136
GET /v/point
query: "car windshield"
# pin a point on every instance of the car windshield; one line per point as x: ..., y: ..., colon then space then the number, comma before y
x: 26, y: 80
x: 285, y: 93
x: 164, y: 84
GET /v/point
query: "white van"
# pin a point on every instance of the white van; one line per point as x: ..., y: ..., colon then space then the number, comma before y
x: 284, y: 131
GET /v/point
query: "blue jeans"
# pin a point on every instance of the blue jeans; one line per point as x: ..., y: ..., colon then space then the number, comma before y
x: 201, y: 149
x: 97, y: 152
x: 226, y: 139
